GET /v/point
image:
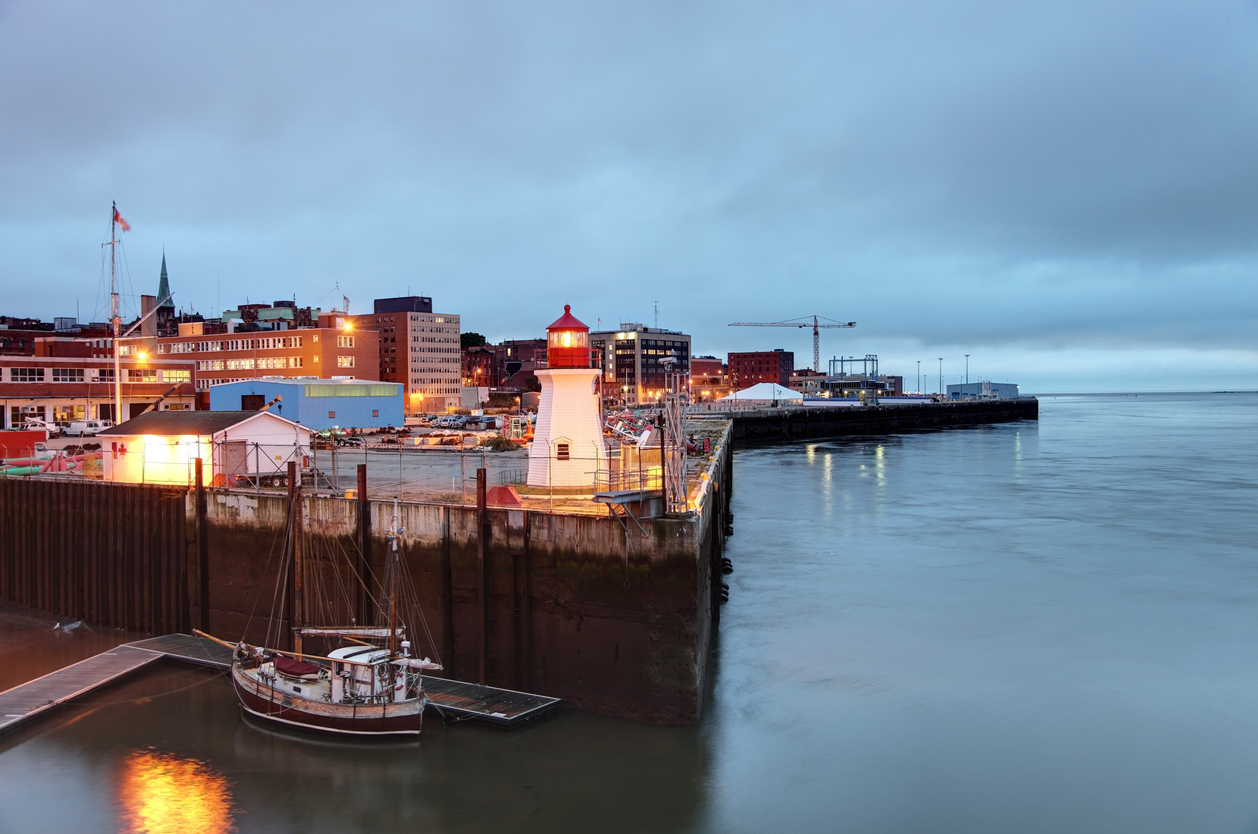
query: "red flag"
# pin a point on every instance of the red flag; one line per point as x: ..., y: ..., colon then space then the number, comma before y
x: 126, y: 227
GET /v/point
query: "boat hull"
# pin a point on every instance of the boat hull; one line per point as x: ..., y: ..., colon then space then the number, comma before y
x: 405, y: 718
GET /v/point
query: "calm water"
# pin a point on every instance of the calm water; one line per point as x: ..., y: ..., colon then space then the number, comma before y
x: 1047, y: 627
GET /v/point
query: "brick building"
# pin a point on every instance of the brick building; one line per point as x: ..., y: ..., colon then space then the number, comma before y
x: 708, y: 379
x: 331, y: 348
x: 747, y: 369
x: 61, y: 388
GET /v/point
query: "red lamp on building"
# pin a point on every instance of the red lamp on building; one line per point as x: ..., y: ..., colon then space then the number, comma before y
x: 567, y: 342
x: 568, y: 447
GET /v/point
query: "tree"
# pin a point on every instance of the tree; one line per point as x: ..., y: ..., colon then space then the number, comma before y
x: 467, y: 340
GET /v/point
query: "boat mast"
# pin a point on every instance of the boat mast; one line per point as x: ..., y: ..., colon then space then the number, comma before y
x: 394, y: 535
x: 299, y: 569
x: 299, y: 614
x: 114, y: 317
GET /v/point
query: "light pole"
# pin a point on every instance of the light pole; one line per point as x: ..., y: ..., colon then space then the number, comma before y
x: 967, y: 369
x: 941, y: 376
x: 919, y: 376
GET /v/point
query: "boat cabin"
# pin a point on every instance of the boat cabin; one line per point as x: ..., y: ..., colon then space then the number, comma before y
x: 364, y: 674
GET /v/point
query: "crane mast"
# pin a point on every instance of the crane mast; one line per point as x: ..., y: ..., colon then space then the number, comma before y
x: 817, y: 327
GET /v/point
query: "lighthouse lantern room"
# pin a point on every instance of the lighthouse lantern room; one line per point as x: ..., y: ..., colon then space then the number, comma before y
x: 568, y: 448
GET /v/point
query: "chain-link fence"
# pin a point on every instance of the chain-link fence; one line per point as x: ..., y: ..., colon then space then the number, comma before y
x: 413, y: 472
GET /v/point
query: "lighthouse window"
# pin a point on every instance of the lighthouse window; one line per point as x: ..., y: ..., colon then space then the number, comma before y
x: 561, y: 451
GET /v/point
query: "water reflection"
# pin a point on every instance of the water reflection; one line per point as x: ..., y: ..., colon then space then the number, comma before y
x: 164, y: 794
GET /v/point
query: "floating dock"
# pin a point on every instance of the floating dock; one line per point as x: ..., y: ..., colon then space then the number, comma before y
x: 24, y: 704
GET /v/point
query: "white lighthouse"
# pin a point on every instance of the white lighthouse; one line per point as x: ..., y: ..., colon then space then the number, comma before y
x: 568, y: 447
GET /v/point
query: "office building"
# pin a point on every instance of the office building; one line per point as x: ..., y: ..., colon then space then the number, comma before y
x: 419, y: 349
x: 630, y: 359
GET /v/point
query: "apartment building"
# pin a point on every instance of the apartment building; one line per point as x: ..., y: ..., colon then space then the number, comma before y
x: 418, y: 348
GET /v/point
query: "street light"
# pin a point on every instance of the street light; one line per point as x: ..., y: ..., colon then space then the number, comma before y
x: 941, y: 376
x: 967, y: 369
x: 919, y: 376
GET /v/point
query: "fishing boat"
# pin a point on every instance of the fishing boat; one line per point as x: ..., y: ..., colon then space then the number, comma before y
x: 370, y: 685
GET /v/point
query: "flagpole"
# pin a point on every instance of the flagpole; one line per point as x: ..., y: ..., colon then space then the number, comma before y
x: 114, y: 317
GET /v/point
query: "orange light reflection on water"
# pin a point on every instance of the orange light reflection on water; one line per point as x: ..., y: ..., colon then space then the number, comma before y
x: 161, y: 793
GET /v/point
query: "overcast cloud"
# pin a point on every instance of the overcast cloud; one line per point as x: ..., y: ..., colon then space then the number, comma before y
x: 1068, y: 193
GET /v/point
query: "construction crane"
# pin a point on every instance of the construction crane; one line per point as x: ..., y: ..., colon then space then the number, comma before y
x: 802, y: 321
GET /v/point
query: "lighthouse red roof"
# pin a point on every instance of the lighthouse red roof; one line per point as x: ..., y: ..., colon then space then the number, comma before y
x: 568, y: 321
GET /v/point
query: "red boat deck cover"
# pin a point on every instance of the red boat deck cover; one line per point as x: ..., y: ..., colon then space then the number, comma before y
x: 294, y: 668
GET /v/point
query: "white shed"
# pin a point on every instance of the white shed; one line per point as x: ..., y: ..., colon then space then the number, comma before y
x: 160, y: 447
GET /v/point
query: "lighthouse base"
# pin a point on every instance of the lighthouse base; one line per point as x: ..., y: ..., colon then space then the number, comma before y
x: 568, y: 448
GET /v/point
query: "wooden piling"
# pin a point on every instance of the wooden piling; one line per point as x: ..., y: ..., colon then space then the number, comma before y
x: 363, y: 606
x: 482, y: 576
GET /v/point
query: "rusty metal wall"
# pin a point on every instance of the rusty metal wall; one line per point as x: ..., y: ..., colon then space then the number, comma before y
x: 114, y: 555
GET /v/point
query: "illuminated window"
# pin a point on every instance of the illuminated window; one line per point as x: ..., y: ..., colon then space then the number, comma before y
x: 344, y: 361
x: 177, y: 376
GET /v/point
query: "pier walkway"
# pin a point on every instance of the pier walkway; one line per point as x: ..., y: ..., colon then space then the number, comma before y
x: 24, y: 704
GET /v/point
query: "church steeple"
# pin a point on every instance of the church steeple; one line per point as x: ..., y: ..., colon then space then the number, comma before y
x: 163, y: 287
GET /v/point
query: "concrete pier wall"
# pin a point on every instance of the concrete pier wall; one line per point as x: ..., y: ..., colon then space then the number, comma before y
x: 806, y: 423
x: 576, y: 606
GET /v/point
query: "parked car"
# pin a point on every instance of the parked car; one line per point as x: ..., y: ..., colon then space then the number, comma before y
x: 88, y: 428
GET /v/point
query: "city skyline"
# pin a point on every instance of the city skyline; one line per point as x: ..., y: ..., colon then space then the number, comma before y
x: 1064, y: 194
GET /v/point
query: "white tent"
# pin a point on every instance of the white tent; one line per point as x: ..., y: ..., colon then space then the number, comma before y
x: 767, y: 391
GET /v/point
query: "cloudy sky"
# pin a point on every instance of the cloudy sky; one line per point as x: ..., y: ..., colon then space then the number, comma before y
x: 1068, y: 192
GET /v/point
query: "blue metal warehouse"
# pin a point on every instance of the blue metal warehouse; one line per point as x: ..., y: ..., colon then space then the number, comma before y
x: 316, y: 403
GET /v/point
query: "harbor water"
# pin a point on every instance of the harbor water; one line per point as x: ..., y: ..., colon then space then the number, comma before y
x: 1033, y: 627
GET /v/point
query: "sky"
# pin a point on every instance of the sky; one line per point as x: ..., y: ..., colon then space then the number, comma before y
x: 1067, y: 192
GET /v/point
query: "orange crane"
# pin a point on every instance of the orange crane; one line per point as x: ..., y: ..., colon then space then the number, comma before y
x: 802, y: 321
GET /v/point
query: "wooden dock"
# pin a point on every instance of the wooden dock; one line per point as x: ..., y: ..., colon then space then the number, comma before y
x: 500, y: 707
x: 23, y: 704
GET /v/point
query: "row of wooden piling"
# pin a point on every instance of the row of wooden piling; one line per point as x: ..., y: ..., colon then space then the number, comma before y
x: 114, y: 555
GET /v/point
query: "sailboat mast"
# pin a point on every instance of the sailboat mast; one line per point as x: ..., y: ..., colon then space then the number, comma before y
x: 114, y: 317
x: 394, y: 533
x: 299, y: 613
